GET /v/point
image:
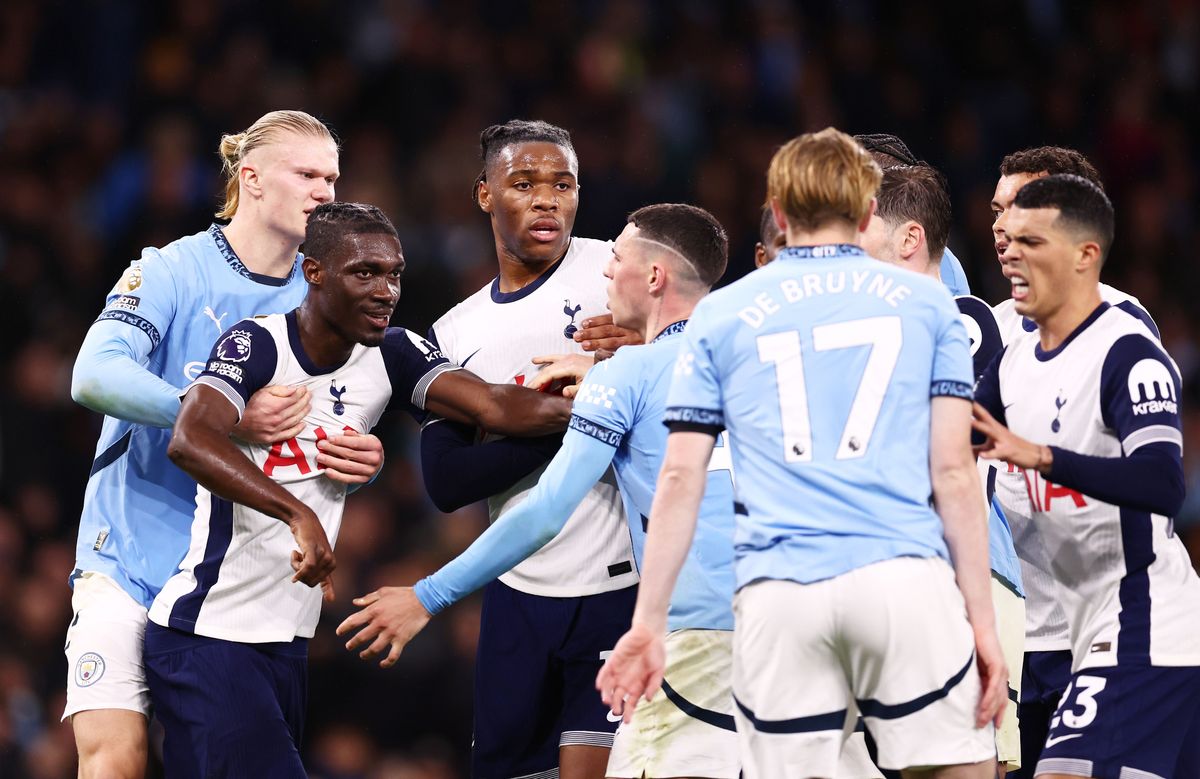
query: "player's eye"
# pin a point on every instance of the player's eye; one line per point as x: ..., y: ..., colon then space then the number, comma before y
x: 996, y: 212
x: 564, y: 186
x: 522, y: 186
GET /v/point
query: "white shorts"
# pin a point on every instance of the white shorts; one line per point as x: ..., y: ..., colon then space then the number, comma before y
x: 890, y: 639
x: 688, y: 729
x: 104, y: 648
x: 1010, y: 627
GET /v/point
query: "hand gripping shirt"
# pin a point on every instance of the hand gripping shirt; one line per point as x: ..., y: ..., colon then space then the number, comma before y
x: 166, y: 312
x: 235, y: 583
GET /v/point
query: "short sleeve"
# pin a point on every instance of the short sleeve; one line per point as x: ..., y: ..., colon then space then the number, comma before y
x: 695, y: 401
x: 1139, y: 394
x: 953, y: 371
x: 605, y: 406
x: 144, y: 298
x: 412, y: 364
x: 953, y: 276
x: 983, y: 333
x: 242, y: 362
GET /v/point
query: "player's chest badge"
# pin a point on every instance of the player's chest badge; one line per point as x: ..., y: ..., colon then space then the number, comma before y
x: 1059, y: 402
x: 339, y: 407
x: 571, y: 311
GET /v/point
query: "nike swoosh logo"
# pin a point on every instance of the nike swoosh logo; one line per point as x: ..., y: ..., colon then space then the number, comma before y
x: 463, y: 364
x: 612, y: 717
x: 1052, y: 741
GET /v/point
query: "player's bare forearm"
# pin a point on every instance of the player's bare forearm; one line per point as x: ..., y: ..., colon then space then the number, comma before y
x: 505, y: 409
x: 201, y: 446
x: 957, y: 499
x: 672, y: 524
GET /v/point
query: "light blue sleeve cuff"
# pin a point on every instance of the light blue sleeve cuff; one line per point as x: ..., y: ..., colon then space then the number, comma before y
x: 532, y: 524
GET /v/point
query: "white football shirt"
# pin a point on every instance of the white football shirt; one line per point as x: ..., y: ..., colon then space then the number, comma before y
x: 235, y: 583
x: 495, y: 335
x: 1123, y: 578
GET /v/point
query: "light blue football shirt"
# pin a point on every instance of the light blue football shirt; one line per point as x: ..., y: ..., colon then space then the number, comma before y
x: 166, y: 312
x: 953, y: 275
x: 617, y: 419
x: 624, y: 400
x: 821, y: 365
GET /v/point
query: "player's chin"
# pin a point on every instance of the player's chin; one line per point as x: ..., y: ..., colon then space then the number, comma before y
x: 372, y: 336
x: 545, y: 251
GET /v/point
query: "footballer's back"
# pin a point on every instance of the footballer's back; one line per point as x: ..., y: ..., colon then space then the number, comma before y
x: 822, y: 365
x: 495, y: 335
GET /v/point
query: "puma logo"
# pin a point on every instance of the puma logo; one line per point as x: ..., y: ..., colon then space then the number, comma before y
x: 208, y: 312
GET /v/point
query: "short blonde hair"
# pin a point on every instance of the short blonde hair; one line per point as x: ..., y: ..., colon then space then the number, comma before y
x: 823, y: 177
x: 235, y: 147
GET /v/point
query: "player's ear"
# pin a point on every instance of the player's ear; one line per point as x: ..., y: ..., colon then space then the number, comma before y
x: 249, y: 180
x: 1090, y: 256
x: 656, y: 277
x: 914, y: 236
x: 483, y: 195
x: 313, y: 272
x: 866, y: 220
x: 760, y: 255
x: 779, y: 217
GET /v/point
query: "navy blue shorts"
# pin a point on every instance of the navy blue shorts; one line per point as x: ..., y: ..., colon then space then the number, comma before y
x: 227, y: 709
x: 1044, y: 678
x: 535, y: 677
x: 1125, y: 721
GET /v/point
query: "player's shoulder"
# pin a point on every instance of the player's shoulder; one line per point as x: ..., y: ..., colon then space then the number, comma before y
x: 403, y: 338
x: 1130, y: 305
x: 186, y: 252
x: 976, y: 308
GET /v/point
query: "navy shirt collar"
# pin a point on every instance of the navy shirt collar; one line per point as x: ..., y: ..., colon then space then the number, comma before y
x: 820, y: 251
x: 1044, y: 355
x: 671, y: 329
x: 239, y: 267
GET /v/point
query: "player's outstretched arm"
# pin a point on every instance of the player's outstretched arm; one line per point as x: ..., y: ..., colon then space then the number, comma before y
x: 458, y: 471
x: 110, y: 377
x: 392, y: 616
x: 956, y: 497
x: 1150, y: 478
x: 497, y: 408
x: 201, y: 446
x: 635, y: 668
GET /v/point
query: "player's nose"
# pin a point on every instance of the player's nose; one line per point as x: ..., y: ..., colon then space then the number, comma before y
x: 545, y: 198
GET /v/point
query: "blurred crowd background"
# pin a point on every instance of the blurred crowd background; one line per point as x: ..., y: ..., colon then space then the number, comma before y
x: 110, y: 113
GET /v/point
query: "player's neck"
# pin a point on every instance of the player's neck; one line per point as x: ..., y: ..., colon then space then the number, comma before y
x: 822, y: 235
x: 517, y: 273
x: 322, y: 344
x: 1058, y: 326
x: 262, y: 251
x: 666, y: 311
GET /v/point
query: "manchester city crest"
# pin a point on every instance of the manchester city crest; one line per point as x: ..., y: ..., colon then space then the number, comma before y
x: 89, y: 669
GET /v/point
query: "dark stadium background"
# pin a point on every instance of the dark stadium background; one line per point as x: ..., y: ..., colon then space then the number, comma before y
x: 110, y: 112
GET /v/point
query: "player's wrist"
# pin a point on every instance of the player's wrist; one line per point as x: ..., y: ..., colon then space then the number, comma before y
x: 1045, y: 460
